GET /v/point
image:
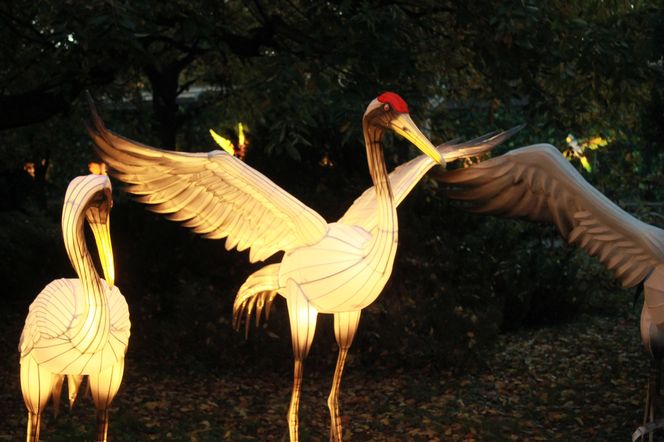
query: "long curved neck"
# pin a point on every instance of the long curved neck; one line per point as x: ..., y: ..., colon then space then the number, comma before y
x: 384, y: 242
x: 90, y: 329
x: 386, y: 216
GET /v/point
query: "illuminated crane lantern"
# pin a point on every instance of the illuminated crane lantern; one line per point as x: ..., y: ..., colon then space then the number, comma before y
x: 336, y: 268
x: 77, y: 327
x: 537, y: 183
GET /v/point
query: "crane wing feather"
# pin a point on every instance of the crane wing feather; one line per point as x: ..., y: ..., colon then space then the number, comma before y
x: 538, y: 183
x: 216, y: 194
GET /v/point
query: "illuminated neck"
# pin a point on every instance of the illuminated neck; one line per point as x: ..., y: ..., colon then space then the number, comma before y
x: 373, y: 136
x: 90, y: 330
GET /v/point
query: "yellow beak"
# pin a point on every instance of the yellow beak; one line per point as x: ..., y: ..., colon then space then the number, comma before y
x: 102, y: 234
x: 404, y: 126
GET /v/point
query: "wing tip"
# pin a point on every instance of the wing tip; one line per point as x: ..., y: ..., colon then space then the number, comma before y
x: 96, y: 120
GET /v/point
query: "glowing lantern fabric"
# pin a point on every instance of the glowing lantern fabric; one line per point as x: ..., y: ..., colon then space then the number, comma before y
x: 337, y: 268
x: 77, y: 327
x: 537, y: 183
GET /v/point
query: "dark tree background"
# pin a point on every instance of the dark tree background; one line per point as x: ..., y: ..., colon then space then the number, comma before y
x: 299, y: 74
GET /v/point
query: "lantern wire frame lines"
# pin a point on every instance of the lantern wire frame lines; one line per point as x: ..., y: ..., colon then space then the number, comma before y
x: 538, y: 183
x: 77, y: 327
x: 336, y: 268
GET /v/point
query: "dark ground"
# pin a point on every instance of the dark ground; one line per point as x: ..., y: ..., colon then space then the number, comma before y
x: 582, y: 380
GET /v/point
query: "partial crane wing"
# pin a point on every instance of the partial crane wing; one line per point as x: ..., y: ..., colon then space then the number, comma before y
x: 404, y: 177
x: 215, y: 194
x: 538, y: 183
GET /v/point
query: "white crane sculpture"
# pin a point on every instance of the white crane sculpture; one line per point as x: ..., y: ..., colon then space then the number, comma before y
x: 538, y: 183
x: 259, y: 292
x: 77, y: 327
x: 337, y: 268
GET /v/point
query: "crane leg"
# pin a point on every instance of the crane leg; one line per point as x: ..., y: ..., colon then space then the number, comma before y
x: 345, y: 326
x: 303, y: 318
x: 102, y: 425
x: 34, y: 421
x: 656, y: 381
x: 653, y: 404
x: 56, y: 392
x: 652, y: 394
x: 104, y: 386
x: 36, y: 386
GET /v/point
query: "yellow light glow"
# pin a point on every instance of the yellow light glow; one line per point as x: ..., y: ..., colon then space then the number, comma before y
x: 97, y: 168
x: 326, y: 161
x: 238, y: 151
x: 240, y: 135
x: 242, y: 142
x: 596, y: 142
x: 224, y: 143
x: 577, y: 149
x: 29, y: 167
x: 586, y: 165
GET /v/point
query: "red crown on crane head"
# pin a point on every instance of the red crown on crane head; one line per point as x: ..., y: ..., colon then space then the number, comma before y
x: 394, y: 100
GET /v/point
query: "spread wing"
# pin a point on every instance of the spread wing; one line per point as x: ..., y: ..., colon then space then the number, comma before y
x: 214, y: 193
x: 404, y: 177
x: 538, y: 183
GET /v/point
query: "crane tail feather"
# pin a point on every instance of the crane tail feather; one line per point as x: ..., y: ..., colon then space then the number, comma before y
x: 257, y: 293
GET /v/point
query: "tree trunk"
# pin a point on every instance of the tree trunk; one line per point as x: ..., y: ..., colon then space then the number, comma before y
x: 165, y: 83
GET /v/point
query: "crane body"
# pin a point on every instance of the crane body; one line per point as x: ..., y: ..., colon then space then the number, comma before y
x: 77, y: 327
x: 337, y: 268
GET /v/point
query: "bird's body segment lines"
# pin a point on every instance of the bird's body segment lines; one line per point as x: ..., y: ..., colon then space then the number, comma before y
x: 352, y: 258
